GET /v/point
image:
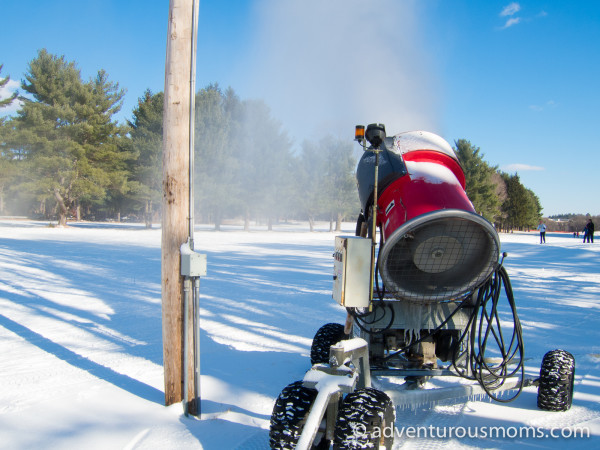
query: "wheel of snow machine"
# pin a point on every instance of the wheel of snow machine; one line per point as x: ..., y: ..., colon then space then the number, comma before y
x: 289, y: 416
x: 365, y: 420
x: 325, y: 337
x: 557, y: 375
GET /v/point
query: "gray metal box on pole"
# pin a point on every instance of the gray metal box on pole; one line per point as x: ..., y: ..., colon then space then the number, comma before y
x: 193, y: 264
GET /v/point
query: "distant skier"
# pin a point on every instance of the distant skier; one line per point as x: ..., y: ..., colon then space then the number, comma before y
x: 542, y: 228
x: 588, y: 232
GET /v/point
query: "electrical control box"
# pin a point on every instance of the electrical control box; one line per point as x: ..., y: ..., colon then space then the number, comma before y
x: 193, y: 264
x: 352, y: 271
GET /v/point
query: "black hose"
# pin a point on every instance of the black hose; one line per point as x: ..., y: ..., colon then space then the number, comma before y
x: 484, y: 332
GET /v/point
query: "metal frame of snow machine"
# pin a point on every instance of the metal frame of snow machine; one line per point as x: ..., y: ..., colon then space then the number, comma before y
x: 337, y: 404
x: 347, y: 399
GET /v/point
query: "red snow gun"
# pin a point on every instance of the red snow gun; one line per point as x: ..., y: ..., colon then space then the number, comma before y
x: 434, y: 246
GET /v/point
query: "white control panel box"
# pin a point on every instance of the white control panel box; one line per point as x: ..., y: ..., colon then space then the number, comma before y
x: 352, y: 271
x: 193, y: 264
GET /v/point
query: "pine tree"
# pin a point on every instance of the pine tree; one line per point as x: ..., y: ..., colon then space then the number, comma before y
x: 66, y: 132
x: 534, y: 209
x: 216, y: 161
x: 104, y: 145
x: 518, y: 204
x: 339, y: 179
x: 7, y: 165
x: 146, y: 143
x: 312, y: 184
x: 265, y: 163
x: 3, y: 82
x: 480, y: 186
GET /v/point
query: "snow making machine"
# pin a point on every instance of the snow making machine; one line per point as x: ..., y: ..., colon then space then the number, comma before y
x: 426, y: 295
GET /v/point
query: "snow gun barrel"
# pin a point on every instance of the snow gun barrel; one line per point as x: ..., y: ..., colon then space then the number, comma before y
x: 435, y: 247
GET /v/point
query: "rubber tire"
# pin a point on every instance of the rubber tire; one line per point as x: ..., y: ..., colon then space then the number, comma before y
x: 557, y: 376
x: 366, y: 410
x: 289, y: 416
x: 326, y: 336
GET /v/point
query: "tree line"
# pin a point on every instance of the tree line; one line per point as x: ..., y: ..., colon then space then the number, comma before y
x: 498, y: 196
x: 64, y: 156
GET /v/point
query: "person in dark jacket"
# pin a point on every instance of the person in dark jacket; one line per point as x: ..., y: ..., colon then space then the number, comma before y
x: 588, y: 232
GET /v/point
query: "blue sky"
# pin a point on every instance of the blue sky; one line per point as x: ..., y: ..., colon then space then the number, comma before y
x: 520, y: 80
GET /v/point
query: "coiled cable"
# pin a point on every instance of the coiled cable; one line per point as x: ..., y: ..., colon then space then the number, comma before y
x: 484, y: 332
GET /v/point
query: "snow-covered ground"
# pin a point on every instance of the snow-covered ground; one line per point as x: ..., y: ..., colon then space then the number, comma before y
x: 81, y: 350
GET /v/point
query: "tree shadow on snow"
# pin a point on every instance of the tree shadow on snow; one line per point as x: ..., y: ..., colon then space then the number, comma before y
x: 260, y: 307
x: 120, y: 380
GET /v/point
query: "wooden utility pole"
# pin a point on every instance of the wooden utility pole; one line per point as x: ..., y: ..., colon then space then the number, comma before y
x: 176, y: 196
